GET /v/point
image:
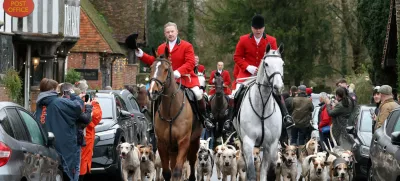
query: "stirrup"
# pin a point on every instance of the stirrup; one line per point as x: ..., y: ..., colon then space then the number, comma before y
x: 286, y: 122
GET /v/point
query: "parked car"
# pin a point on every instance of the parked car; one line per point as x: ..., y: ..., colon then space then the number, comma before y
x: 358, y: 139
x: 385, y: 150
x: 26, y: 151
x: 140, y: 121
x: 116, y: 126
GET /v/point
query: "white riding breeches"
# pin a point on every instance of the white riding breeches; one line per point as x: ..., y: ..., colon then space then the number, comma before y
x: 234, y: 91
x: 197, y: 92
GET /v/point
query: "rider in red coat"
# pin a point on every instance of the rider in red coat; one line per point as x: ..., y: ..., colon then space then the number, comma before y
x: 181, y: 54
x: 248, y: 55
x: 225, y: 75
x: 199, y: 70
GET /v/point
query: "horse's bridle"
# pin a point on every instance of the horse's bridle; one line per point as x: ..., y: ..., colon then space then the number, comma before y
x: 270, y: 77
x: 162, y: 84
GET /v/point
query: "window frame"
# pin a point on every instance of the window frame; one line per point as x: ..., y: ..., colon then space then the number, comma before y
x: 9, y: 122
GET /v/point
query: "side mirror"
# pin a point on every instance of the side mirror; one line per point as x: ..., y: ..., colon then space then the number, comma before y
x: 350, y: 129
x: 50, y: 139
x: 125, y: 114
x: 395, y: 138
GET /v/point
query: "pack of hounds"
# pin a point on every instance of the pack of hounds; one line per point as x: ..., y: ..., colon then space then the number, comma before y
x: 139, y: 162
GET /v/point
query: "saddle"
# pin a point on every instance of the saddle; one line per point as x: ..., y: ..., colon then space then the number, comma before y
x: 192, y: 101
x: 239, y: 96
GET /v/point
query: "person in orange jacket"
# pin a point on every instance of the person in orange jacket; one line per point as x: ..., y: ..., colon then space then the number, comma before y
x: 87, y: 151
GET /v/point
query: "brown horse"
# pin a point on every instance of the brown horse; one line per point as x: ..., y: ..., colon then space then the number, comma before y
x: 177, y: 131
x: 219, y: 105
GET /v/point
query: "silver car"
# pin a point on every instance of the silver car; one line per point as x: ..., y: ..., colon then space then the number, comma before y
x: 26, y: 152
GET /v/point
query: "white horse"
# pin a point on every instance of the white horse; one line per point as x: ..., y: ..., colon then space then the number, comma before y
x: 259, y: 121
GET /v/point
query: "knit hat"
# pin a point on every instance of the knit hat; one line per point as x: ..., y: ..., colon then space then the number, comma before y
x: 257, y: 21
x: 385, y: 89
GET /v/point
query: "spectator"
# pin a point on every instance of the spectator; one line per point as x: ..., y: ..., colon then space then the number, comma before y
x: 387, y: 105
x: 343, y: 83
x: 87, y: 151
x: 340, y: 111
x: 289, y: 100
x: 309, y: 92
x: 59, y: 116
x: 376, y: 99
x: 324, y: 120
x: 302, y: 111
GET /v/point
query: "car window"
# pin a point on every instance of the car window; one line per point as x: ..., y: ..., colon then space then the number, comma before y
x: 20, y: 130
x: 120, y: 103
x: 5, y: 123
x: 366, y: 122
x: 133, y: 102
x: 33, y: 128
x: 106, y: 107
x: 391, y: 121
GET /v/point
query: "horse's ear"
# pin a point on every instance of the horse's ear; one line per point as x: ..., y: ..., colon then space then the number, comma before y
x: 154, y: 52
x: 268, y: 48
x: 281, y: 48
x: 166, y: 52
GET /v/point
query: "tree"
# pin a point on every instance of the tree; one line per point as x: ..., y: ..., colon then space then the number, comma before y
x: 303, y: 26
x: 373, y: 17
x: 72, y: 76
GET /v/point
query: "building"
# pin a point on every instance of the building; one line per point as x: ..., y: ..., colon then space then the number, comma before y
x: 100, y: 54
x: 37, y: 45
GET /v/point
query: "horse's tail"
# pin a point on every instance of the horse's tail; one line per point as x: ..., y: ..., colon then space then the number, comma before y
x: 227, y: 140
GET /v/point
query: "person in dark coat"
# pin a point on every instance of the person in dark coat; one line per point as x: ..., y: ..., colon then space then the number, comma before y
x: 59, y: 116
x: 376, y: 99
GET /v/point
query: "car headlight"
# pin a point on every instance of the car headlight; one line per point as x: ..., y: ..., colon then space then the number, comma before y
x: 364, y: 151
x: 104, y: 135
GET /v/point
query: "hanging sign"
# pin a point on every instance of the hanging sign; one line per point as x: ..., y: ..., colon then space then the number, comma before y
x: 18, y: 8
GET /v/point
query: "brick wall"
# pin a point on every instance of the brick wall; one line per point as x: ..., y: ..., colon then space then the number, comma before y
x: 90, y: 39
x: 3, y: 94
x: 130, y: 74
x: 76, y: 61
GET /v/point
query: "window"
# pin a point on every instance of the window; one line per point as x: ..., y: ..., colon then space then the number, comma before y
x: 366, y: 122
x: 392, y: 121
x: 33, y: 128
x: 120, y: 103
x: 20, y: 131
x: 5, y: 123
x: 106, y: 107
x: 133, y: 102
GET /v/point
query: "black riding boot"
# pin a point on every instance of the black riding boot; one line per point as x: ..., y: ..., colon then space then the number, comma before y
x: 203, y: 114
x: 287, y: 119
x: 228, y: 122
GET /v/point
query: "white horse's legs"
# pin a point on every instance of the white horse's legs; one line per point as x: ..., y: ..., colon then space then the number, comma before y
x: 269, y: 155
x: 248, y: 146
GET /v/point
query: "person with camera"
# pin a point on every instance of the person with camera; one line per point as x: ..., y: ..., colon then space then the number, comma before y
x: 60, y: 115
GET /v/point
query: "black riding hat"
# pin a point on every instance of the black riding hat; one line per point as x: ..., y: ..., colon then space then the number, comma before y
x: 257, y: 21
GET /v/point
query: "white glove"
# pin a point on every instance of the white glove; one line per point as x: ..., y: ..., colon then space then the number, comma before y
x: 177, y: 74
x: 139, y: 53
x: 213, y: 80
x: 252, y: 69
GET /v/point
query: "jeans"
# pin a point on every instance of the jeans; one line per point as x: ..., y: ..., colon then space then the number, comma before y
x: 205, y: 134
x: 299, y: 135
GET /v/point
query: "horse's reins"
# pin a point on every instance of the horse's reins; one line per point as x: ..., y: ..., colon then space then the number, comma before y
x: 172, y: 97
x: 259, y: 85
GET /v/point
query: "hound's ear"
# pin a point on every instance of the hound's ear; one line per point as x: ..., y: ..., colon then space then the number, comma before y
x: 209, y: 152
x: 281, y: 48
x: 118, y: 147
x: 151, y: 155
x: 311, y: 160
x: 208, y: 139
x: 326, y: 163
x: 284, y: 143
x: 150, y: 146
x: 132, y: 146
x: 268, y: 48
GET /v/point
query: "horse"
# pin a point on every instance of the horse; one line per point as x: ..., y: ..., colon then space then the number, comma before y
x: 219, y: 105
x: 176, y: 128
x: 259, y: 119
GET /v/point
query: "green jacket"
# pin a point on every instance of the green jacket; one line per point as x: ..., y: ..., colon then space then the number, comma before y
x: 302, y: 111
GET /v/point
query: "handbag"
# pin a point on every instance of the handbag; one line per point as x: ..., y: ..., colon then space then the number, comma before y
x: 326, y: 129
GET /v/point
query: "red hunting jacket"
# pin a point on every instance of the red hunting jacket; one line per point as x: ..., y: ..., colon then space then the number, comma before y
x: 182, y: 58
x: 227, y: 81
x: 249, y: 53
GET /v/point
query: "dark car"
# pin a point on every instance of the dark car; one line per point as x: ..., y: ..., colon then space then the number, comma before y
x: 116, y: 126
x: 358, y: 139
x: 141, y: 122
x: 26, y: 151
x: 385, y: 150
